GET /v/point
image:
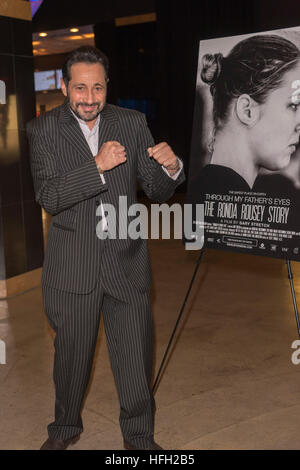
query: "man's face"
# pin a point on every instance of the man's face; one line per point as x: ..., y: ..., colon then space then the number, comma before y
x: 86, y: 90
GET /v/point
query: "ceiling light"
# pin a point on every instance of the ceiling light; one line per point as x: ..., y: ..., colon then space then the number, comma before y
x: 73, y: 37
x: 36, y: 43
x: 74, y: 30
x: 43, y: 35
x: 89, y: 35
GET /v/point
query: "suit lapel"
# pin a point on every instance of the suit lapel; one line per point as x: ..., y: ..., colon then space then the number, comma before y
x: 108, y: 130
x: 70, y: 129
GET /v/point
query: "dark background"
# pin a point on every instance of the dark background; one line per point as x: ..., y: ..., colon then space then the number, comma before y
x: 158, y: 61
x: 153, y: 68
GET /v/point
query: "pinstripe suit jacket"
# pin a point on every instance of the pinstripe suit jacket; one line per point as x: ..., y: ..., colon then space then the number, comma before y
x: 68, y: 186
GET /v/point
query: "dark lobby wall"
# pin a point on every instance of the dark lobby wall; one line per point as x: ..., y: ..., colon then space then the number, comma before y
x: 174, y: 38
x: 21, y: 227
x: 181, y: 25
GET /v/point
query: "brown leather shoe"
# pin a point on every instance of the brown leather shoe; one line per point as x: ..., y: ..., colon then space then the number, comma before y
x: 152, y: 446
x: 59, y: 444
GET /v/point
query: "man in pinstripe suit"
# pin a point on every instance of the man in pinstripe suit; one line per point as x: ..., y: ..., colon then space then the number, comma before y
x: 85, y: 154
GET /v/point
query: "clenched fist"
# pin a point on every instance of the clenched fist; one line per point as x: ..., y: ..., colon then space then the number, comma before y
x: 165, y: 156
x: 110, y: 155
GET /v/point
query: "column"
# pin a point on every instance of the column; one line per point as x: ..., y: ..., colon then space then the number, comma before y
x: 21, y: 235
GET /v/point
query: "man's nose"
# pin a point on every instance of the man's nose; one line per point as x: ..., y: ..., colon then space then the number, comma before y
x: 89, y: 96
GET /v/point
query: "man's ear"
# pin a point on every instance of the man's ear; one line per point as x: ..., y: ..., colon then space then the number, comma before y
x: 63, y: 87
x: 247, y: 110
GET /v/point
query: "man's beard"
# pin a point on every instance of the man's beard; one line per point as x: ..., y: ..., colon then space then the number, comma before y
x: 88, y: 115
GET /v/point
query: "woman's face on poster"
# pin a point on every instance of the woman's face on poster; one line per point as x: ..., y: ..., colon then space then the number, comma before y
x: 276, y: 131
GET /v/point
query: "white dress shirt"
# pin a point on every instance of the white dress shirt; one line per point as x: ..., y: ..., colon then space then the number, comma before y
x: 92, y: 138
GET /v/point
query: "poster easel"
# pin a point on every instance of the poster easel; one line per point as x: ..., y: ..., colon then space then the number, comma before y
x: 291, y: 279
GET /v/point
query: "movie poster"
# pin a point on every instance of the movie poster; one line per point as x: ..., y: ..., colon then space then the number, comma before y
x: 245, y: 157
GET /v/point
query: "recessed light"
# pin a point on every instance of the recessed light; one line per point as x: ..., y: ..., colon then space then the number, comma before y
x: 74, y: 30
x: 43, y: 35
x: 72, y: 37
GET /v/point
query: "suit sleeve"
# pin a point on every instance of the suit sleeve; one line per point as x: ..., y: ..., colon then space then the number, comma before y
x: 56, y: 191
x: 156, y: 183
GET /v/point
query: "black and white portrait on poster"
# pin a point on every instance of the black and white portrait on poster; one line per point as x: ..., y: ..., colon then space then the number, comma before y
x: 245, y: 158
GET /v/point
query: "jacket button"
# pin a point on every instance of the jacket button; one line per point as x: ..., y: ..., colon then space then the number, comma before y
x: 97, y: 203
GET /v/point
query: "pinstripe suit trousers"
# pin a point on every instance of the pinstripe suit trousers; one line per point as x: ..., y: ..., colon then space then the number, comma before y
x: 129, y: 330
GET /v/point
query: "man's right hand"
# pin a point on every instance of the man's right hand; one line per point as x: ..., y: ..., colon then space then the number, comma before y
x: 110, y: 155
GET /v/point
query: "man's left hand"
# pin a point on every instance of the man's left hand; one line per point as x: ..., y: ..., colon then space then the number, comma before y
x: 165, y: 156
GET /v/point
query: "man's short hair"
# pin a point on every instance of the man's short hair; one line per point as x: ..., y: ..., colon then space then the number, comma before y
x: 85, y: 54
